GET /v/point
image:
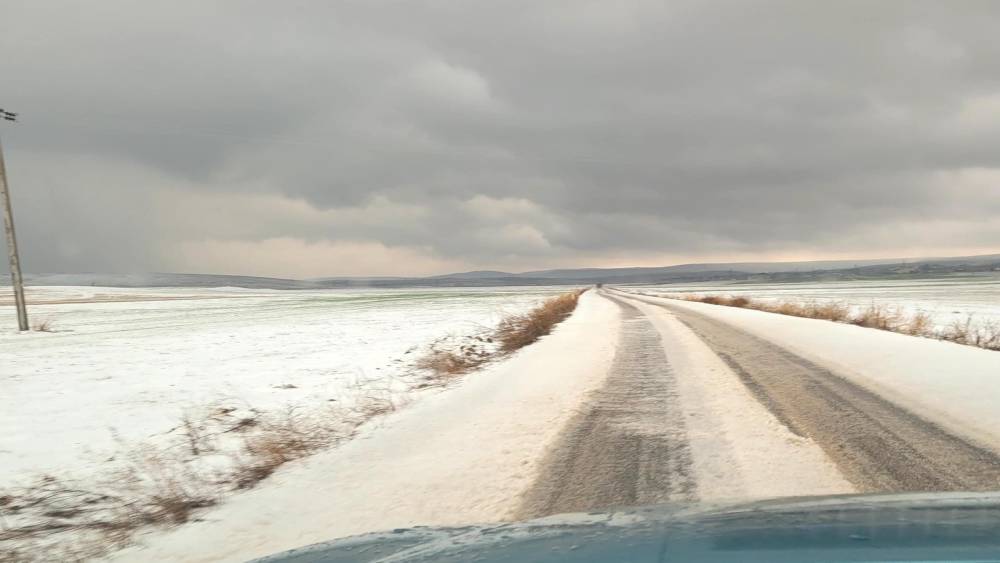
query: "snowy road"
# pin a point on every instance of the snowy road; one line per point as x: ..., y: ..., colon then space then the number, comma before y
x: 629, y: 445
x: 877, y: 445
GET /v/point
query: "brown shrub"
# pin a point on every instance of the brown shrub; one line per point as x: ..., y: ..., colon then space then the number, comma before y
x: 792, y: 308
x: 988, y: 336
x: 518, y: 331
x: 830, y: 311
x: 739, y: 301
x: 444, y: 365
x: 880, y: 317
x: 919, y: 324
x: 726, y: 300
x: 447, y: 364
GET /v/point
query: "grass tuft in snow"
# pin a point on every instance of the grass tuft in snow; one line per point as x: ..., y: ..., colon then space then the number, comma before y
x: 44, y: 325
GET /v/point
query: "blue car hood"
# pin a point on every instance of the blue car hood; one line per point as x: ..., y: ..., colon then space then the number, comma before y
x: 914, y: 527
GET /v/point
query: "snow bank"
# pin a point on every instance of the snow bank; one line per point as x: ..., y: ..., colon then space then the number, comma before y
x: 953, y: 385
x: 461, y: 456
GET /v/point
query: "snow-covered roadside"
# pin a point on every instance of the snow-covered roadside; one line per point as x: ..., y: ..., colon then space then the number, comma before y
x: 952, y: 385
x: 945, y: 301
x: 461, y: 456
x: 127, y: 364
x: 740, y: 451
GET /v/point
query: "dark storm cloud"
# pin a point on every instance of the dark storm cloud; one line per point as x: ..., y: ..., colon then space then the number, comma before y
x: 307, y: 137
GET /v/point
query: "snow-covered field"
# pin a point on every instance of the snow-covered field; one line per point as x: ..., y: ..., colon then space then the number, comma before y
x: 945, y: 300
x: 126, y: 364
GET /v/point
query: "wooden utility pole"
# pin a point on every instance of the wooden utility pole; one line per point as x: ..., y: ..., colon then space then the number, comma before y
x: 8, y: 228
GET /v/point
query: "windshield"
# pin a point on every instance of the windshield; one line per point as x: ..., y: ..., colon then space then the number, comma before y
x: 286, y: 273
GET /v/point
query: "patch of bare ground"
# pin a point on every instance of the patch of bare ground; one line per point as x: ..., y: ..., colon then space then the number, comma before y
x: 883, y: 317
x: 443, y: 364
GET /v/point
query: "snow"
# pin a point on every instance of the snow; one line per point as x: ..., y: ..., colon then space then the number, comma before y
x: 945, y: 300
x: 126, y: 364
x: 740, y: 450
x: 950, y: 384
x: 457, y: 457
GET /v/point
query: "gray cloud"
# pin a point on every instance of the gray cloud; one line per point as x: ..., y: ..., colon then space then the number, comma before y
x: 316, y: 138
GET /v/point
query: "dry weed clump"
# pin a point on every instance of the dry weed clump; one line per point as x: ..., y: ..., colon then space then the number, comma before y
x: 880, y: 317
x: 918, y: 324
x: 984, y: 335
x: 223, y: 450
x: 55, y: 518
x: 447, y: 364
x: 830, y: 311
x: 518, y: 331
x: 444, y: 364
x: 44, y: 325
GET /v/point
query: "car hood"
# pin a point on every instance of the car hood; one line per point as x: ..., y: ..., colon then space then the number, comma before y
x: 913, y: 527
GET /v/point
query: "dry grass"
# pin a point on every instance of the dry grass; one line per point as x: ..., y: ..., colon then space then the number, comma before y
x: 518, y: 331
x: 55, y: 518
x: 64, y: 519
x: 44, y: 325
x: 918, y: 324
x: 831, y: 311
x: 882, y: 317
x: 986, y: 335
x: 444, y: 364
x: 275, y: 443
x: 447, y: 364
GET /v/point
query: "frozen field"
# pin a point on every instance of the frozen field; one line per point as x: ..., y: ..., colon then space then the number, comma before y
x: 946, y: 300
x: 128, y: 363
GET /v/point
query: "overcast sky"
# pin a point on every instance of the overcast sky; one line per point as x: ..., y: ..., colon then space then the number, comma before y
x: 302, y: 139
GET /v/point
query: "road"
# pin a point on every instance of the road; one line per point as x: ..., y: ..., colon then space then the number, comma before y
x: 629, y: 443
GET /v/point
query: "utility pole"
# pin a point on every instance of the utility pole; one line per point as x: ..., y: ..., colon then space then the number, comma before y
x: 8, y: 223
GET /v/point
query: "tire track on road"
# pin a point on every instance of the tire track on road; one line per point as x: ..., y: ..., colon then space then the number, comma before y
x: 877, y: 445
x: 627, y: 446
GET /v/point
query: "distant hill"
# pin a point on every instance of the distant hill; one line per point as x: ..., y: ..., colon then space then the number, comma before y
x: 736, y: 271
x: 160, y: 280
x: 474, y: 275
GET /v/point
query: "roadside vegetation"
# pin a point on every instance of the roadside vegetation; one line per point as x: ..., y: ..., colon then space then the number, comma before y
x: 212, y: 452
x: 222, y: 448
x: 983, y: 335
x: 443, y: 362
